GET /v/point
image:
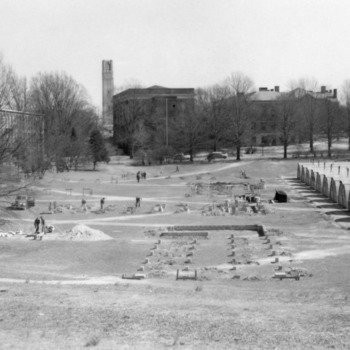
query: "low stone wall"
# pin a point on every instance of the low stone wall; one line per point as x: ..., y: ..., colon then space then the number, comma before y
x: 258, y: 228
x: 176, y: 234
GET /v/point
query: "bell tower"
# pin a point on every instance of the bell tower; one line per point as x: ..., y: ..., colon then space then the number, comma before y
x: 107, y: 93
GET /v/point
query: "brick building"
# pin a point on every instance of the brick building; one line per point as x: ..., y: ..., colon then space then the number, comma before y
x: 265, y: 102
x: 160, y: 104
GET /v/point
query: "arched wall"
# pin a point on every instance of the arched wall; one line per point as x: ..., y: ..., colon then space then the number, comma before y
x: 302, y: 178
x: 333, y: 190
x: 325, y: 186
x: 307, y: 176
x: 342, y: 197
x: 312, y: 179
x: 318, y: 182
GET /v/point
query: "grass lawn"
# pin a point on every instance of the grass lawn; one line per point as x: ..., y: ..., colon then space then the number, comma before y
x: 69, y: 294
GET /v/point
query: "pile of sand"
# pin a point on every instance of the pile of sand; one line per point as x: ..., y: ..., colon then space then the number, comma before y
x: 84, y: 233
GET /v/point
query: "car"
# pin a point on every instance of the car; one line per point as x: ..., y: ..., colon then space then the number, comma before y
x: 20, y: 203
x: 23, y: 202
x: 216, y: 155
x: 180, y: 157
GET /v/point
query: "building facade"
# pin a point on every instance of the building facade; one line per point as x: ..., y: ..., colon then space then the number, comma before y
x: 149, y: 110
x: 265, y: 102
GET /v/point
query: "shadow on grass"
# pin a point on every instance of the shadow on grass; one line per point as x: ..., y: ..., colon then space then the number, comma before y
x: 339, y: 213
x: 330, y: 206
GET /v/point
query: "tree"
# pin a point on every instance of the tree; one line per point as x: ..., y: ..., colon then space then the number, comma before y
x: 346, y: 100
x: 239, y: 87
x: 129, y: 114
x: 214, y: 102
x: 330, y: 122
x: 98, y: 148
x: 286, y: 124
x: 66, y: 107
x: 308, y: 108
x: 188, y: 130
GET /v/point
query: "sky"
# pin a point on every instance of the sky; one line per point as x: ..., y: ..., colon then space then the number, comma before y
x: 178, y: 43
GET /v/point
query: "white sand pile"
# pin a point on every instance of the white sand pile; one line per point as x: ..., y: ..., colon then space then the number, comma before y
x: 84, y: 233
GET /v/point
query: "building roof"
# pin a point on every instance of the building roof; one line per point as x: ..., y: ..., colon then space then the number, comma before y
x: 298, y: 92
x: 154, y: 91
x: 265, y: 95
x: 272, y: 95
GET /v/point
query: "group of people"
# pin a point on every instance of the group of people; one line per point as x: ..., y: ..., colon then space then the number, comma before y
x: 141, y: 175
x: 84, y: 206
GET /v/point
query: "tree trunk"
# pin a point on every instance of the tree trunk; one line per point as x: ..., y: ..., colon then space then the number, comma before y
x: 311, y: 143
x: 285, y: 146
x: 238, y: 152
x: 329, y: 147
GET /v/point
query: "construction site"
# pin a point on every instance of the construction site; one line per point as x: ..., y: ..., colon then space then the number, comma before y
x: 250, y: 254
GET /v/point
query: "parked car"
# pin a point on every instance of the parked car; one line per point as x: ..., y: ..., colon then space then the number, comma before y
x: 20, y: 203
x: 23, y: 202
x: 216, y: 155
x: 180, y: 157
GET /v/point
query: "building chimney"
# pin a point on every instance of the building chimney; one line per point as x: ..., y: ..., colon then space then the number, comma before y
x: 277, y: 88
x: 323, y: 89
x: 335, y: 93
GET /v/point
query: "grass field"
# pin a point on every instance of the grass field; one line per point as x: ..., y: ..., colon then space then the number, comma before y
x: 69, y: 294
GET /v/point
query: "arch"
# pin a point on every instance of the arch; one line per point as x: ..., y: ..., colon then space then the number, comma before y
x: 302, y: 177
x: 298, y: 171
x: 318, y: 182
x: 325, y: 187
x: 312, y: 179
x: 333, y: 191
x: 342, y: 195
x: 307, y: 176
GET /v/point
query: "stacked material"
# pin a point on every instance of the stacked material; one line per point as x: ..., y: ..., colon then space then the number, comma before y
x: 84, y: 233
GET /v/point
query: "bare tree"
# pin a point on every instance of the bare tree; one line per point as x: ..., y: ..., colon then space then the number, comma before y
x: 66, y: 108
x: 189, y: 128
x: 239, y: 87
x: 330, y: 122
x: 4, y: 78
x: 128, y: 114
x: 286, y: 109
x: 308, y: 107
x: 214, y: 102
x: 346, y: 100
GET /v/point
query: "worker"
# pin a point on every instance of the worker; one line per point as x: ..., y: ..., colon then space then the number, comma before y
x: 138, y: 176
x: 83, y: 204
x: 138, y: 202
x: 37, y: 225
x: 177, y: 169
x: 102, y: 202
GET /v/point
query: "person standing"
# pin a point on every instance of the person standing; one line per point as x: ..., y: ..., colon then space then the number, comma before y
x: 102, y: 203
x: 37, y: 225
x: 138, y: 202
x: 83, y: 204
x: 138, y: 176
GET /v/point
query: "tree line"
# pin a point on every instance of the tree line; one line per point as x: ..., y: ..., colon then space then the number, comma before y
x: 71, y: 132
x: 226, y: 115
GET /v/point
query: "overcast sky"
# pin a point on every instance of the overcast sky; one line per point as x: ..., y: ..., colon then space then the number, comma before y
x: 178, y: 43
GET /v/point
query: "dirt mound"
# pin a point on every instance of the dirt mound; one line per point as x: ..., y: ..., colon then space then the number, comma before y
x: 84, y: 233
